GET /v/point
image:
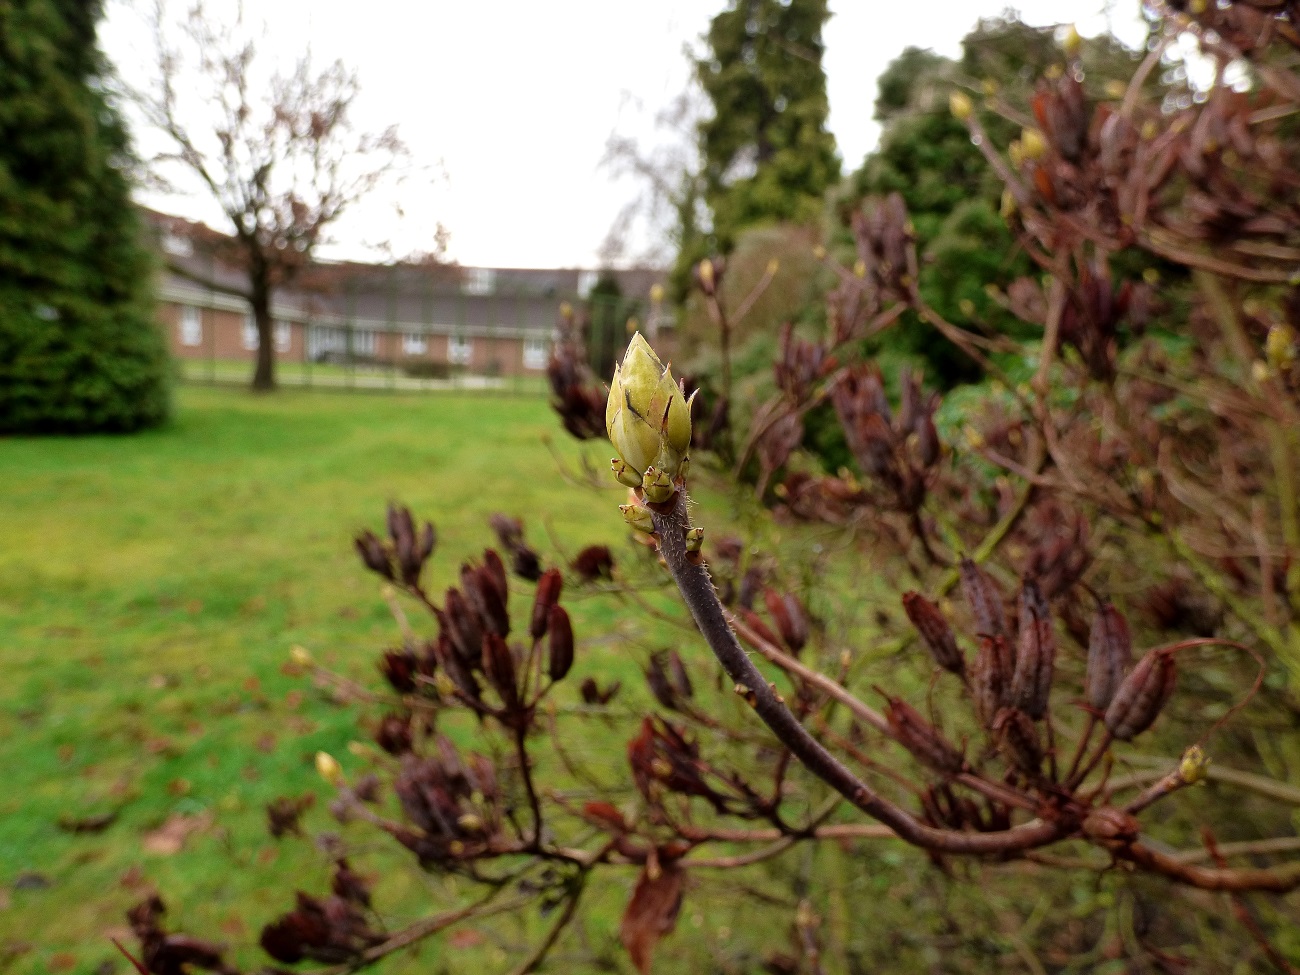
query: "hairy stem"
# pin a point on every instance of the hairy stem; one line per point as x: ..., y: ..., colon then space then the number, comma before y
x: 697, y: 591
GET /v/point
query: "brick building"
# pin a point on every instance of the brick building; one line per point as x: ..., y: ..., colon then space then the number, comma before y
x: 426, y: 319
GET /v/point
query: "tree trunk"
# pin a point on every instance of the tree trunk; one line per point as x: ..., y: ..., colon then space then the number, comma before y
x: 259, y: 280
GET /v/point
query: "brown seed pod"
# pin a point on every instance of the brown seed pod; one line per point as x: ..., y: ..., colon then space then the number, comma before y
x: 755, y: 623
x: 789, y: 616
x: 496, y: 572
x: 984, y: 599
x: 991, y: 678
x: 547, y: 595
x: 922, y: 739
x: 463, y: 627
x: 1031, y: 683
x: 1110, y: 653
x: 1018, y: 738
x: 499, y: 668
x: 935, y: 632
x: 373, y: 554
x: 560, y: 647
x: 1141, y: 696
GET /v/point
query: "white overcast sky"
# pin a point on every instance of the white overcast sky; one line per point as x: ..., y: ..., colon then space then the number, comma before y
x: 516, y: 99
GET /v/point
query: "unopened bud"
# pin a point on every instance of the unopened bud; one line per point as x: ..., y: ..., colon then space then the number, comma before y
x: 638, y: 517
x: 819, y: 253
x: 1032, y: 144
x: 1071, y: 42
x: 328, y: 768
x: 1115, y: 89
x: 772, y: 267
x: 705, y: 269
x: 560, y: 648
x: 656, y: 293
x: 1194, y: 766
x: 301, y: 656
x: 647, y: 417
x: 1280, y: 347
x: 960, y: 105
x: 859, y: 268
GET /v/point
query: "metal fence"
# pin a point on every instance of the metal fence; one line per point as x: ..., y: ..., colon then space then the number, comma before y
x: 393, y: 356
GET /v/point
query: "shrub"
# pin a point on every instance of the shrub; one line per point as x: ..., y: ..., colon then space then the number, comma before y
x: 79, y: 349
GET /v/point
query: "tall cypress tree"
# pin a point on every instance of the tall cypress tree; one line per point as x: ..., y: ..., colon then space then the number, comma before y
x: 766, y: 150
x: 79, y: 347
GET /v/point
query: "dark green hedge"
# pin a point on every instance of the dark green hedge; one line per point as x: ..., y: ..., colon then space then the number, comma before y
x: 79, y: 346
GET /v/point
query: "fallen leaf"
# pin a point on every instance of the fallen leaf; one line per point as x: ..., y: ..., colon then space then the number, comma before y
x: 652, y: 912
x: 170, y: 837
x: 62, y: 961
x: 466, y: 938
x: 87, y: 824
x: 133, y: 879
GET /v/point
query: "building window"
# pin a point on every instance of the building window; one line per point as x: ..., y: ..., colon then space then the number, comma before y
x: 534, y: 352
x: 249, y: 332
x: 176, y: 245
x: 324, y: 342
x: 413, y: 344
x: 479, y: 280
x: 283, y: 337
x: 191, y: 325
x: 459, y: 349
x: 364, y: 342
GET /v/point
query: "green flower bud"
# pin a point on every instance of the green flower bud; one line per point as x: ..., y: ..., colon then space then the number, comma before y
x: 638, y: 517
x: 1194, y: 765
x: 959, y: 104
x: 648, y: 420
x: 694, y: 539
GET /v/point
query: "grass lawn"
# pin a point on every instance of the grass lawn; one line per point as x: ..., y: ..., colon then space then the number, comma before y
x: 150, y: 589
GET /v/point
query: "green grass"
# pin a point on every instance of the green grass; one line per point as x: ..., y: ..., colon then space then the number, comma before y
x: 150, y: 589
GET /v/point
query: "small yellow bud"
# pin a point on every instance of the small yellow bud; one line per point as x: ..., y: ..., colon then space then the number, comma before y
x: 1016, y: 153
x: 1008, y: 207
x: 1197, y: 7
x: 974, y: 439
x: 1149, y: 130
x: 638, y: 517
x: 1033, y: 144
x: 859, y: 268
x: 819, y: 253
x: 960, y: 105
x: 1280, y: 347
x: 566, y: 311
x: 1071, y: 42
x: 470, y: 822
x: 328, y: 768
x: 1115, y: 89
x: 656, y: 293
x: 632, y: 326
x: 694, y: 539
x: 989, y: 87
x: 1194, y: 766
x: 966, y: 307
x: 706, y: 274
x: 1151, y: 276
x: 1260, y: 372
x: 301, y: 656
x: 772, y: 267
x: 1053, y: 72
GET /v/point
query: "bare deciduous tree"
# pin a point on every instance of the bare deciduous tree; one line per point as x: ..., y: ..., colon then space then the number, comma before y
x: 277, y: 149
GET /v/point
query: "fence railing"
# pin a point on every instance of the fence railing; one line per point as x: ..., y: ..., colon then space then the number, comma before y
x: 393, y: 356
